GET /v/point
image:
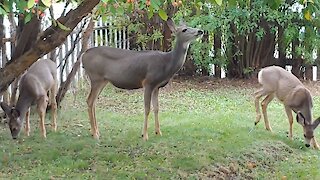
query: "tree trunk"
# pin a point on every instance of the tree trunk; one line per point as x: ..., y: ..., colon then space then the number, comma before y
x: 308, y: 72
x: 166, y: 32
x: 217, y: 54
x: 233, y: 66
x: 66, y: 84
x: 189, y: 68
x: 3, y: 48
x: 296, y: 60
x: 26, y: 36
x: 282, y: 52
x: 51, y: 38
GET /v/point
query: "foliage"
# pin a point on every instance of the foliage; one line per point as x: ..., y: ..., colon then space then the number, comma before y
x: 205, y: 130
x: 241, y: 19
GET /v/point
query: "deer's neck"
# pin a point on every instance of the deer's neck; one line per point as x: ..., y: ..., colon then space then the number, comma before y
x: 23, y: 104
x: 179, y: 54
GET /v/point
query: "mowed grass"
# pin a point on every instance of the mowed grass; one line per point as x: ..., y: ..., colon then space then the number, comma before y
x: 205, y: 127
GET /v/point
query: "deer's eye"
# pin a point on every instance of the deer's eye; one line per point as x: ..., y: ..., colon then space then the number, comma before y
x: 184, y: 30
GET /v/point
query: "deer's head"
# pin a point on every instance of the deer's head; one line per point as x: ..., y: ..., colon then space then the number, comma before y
x: 14, y: 121
x: 308, y: 127
x: 183, y: 32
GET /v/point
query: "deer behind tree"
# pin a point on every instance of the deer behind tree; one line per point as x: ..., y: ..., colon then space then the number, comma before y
x: 40, y: 78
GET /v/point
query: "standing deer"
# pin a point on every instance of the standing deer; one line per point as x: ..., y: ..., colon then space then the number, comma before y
x: 34, y: 86
x: 128, y: 69
x: 278, y: 82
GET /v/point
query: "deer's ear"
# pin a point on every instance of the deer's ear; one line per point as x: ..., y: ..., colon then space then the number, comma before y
x: 7, y: 109
x: 300, y: 119
x: 15, y: 113
x: 316, y: 123
x: 182, y: 23
x: 171, y: 25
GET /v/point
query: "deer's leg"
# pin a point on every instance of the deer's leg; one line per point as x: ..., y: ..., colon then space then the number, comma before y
x: 53, y: 101
x: 315, y: 143
x: 258, y: 94
x: 96, y: 88
x: 27, y: 126
x: 264, y: 105
x: 147, y: 101
x: 42, y: 107
x: 155, y: 104
x: 290, y: 118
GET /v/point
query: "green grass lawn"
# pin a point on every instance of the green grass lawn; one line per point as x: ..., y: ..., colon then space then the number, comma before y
x: 205, y: 127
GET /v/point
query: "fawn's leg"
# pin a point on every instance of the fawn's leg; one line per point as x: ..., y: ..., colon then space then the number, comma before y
x: 290, y: 118
x: 147, y: 101
x: 155, y: 104
x: 314, y: 143
x: 258, y: 94
x: 42, y: 107
x: 96, y: 88
x: 52, y: 94
x: 264, y: 105
x: 27, y: 126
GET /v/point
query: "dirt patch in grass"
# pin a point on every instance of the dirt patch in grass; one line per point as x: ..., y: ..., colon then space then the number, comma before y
x: 261, y: 158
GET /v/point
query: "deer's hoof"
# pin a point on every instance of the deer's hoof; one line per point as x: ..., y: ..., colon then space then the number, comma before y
x: 96, y: 136
x: 159, y: 133
x: 145, y: 137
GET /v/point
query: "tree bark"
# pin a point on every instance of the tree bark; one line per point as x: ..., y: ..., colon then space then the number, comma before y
x: 64, y: 86
x: 217, y: 53
x: 3, y: 54
x: 51, y: 38
x: 282, y: 51
x: 26, y: 36
x: 296, y: 60
x: 308, y: 72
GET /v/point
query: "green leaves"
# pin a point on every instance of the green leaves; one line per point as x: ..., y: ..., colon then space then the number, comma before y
x: 30, y: 4
x: 28, y: 18
x: 163, y: 15
x: 219, y: 2
x: 307, y: 15
x: 3, y: 9
x: 63, y: 27
x: 47, y: 3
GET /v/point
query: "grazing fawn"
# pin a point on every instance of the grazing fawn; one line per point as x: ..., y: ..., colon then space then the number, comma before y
x: 278, y: 82
x: 34, y: 85
x: 128, y: 69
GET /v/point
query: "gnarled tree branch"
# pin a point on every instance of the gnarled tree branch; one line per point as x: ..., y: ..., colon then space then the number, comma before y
x: 51, y: 38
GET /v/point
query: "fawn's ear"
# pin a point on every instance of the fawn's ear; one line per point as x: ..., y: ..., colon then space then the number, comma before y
x: 182, y: 23
x: 300, y: 119
x: 171, y: 25
x: 316, y: 123
x: 7, y: 109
